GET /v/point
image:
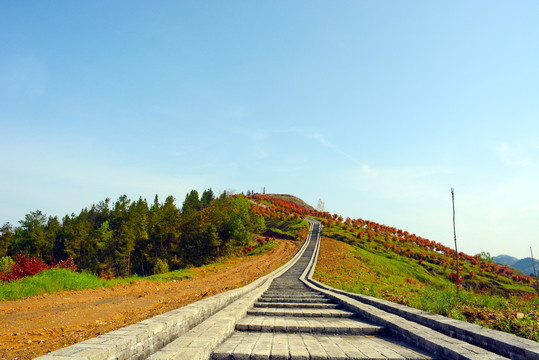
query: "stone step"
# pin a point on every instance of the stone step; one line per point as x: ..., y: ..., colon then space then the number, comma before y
x: 261, y: 304
x: 260, y: 345
x: 293, y: 295
x: 288, y: 290
x: 294, y: 299
x: 344, y: 326
x: 324, y: 313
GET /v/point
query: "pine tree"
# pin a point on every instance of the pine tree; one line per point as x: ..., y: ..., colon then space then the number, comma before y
x: 32, y: 238
x: 192, y: 202
x: 207, y: 198
x: 7, y: 235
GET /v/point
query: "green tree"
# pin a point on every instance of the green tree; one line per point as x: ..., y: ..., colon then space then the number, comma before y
x: 140, y: 260
x: 198, y: 240
x: 207, y: 198
x: 81, y: 245
x: 163, y: 229
x: 192, y: 202
x: 105, y: 245
x: 243, y: 221
x: 32, y: 238
x: 52, y: 229
x: 7, y: 236
x: 485, y: 256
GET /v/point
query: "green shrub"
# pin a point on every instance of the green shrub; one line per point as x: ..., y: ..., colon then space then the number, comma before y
x: 161, y: 266
x: 5, y: 264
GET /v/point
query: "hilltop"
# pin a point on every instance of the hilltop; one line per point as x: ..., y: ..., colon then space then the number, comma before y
x: 293, y: 199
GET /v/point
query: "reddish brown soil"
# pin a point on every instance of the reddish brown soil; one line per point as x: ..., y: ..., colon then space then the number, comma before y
x: 37, y: 325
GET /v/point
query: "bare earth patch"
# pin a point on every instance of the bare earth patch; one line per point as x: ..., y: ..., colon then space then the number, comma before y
x: 37, y: 325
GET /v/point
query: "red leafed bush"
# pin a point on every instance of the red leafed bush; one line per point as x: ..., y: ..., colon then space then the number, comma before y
x: 25, y: 265
x: 107, y: 275
x: 68, y: 264
x: 29, y: 265
x: 453, y: 278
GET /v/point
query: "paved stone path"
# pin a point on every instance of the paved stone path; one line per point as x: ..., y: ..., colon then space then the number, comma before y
x: 292, y: 321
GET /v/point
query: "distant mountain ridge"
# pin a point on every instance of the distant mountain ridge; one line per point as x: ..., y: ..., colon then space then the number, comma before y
x: 525, y: 265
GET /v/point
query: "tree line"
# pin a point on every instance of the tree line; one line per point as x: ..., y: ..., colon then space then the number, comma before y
x: 134, y: 237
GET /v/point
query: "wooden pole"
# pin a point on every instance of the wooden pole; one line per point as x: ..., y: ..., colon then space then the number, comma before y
x: 536, y: 285
x: 455, y: 237
x: 533, y: 263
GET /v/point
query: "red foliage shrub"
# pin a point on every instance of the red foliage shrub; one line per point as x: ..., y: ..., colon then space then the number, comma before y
x: 107, y: 275
x: 453, y: 278
x: 68, y: 264
x: 30, y: 265
x: 24, y: 266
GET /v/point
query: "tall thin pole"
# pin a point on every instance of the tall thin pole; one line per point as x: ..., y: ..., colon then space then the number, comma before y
x: 533, y: 263
x: 455, y: 236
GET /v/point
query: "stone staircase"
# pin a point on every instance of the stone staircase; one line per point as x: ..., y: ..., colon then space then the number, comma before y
x: 292, y: 321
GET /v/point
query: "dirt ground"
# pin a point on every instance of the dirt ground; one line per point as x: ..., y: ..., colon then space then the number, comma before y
x: 37, y: 325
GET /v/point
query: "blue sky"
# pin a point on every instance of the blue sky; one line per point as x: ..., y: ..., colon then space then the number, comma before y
x: 376, y: 107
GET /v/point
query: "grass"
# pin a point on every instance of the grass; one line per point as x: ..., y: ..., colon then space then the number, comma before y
x: 172, y: 275
x: 370, y: 269
x: 261, y: 249
x: 288, y: 227
x: 55, y: 280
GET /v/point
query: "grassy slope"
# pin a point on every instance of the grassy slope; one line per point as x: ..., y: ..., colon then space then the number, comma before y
x: 289, y: 227
x: 371, y: 268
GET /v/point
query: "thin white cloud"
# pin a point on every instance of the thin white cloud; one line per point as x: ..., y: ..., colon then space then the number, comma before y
x: 333, y: 147
x: 515, y: 155
x: 397, y: 183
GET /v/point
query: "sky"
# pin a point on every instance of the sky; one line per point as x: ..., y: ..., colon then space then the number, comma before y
x: 378, y: 108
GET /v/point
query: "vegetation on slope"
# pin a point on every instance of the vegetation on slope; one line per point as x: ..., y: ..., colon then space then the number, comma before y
x: 132, y: 238
x: 374, y: 259
x: 418, y: 275
x: 292, y: 199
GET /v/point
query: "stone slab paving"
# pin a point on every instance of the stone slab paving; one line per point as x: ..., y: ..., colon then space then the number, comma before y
x: 345, y: 326
x: 310, y: 299
x: 301, y: 312
x: 262, y: 345
x: 303, y: 305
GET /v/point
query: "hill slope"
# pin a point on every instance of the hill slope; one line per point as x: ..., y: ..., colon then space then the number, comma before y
x: 378, y: 260
x: 505, y: 259
x: 293, y: 200
x: 525, y: 265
